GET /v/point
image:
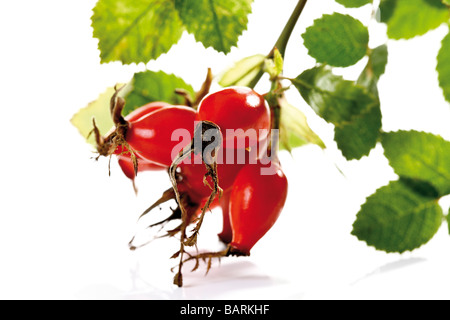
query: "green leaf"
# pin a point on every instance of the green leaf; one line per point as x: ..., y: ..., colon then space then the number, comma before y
x: 378, y: 59
x: 294, y: 129
x: 215, y: 23
x: 350, y: 107
x: 407, y: 19
x: 446, y: 2
x: 443, y: 66
x: 397, y: 219
x: 243, y: 72
x: 152, y: 86
x: 376, y: 65
x: 354, y: 3
x: 145, y: 87
x: 98, y: 110
x: 135, y: 31
x: 336, y: 100
x: 386, y: 10
x: 421, y: 156
x: 421, y: 187
x: 338, y: 40
x: 357, y: 138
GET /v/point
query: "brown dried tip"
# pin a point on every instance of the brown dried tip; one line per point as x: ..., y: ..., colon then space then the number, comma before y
x: 204, y: 89
x: 209, y: 256
x: 178, y: 280
x: 107, y: 145
x: 207, y: 141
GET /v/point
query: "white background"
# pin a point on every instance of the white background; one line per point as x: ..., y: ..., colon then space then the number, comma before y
x: 65, y: 224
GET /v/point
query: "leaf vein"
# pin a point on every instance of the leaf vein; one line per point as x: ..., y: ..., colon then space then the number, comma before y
x: 217, y: 24
x: 107, y: 51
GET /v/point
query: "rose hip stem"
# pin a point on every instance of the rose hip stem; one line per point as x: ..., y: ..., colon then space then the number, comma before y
x: 210, y: 161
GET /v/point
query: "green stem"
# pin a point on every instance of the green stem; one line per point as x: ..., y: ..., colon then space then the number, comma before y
x: 273, y: 99
x: 283, y: 40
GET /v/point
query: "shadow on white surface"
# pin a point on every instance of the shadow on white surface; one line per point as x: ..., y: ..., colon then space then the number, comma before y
x: 391, y: 266
x: 228, y: 280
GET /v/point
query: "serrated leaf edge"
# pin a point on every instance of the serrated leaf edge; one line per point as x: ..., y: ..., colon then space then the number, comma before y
x: 312, y: 27
x: 414, y: 132
x: 418, y: 208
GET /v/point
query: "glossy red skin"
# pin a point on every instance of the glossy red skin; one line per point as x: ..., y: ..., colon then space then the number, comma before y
x: 227, y: 233
x: 124, y: 156
x: 236, y: 108
x: 127, y: 166
x: 193, y: 173
x: 256, y: 202
x: 146, y: 110
x: 151, y: 135
x: 143, y: 111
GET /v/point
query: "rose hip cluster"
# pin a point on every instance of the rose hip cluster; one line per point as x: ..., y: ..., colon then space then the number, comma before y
x: 252, y: 186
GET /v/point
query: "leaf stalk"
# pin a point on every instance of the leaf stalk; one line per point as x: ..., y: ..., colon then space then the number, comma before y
x: 283, y: 39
